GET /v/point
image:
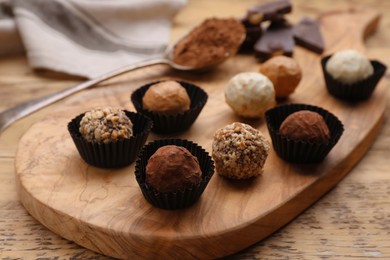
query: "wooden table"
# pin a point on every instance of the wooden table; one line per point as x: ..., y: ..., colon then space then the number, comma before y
x: 351, y: 221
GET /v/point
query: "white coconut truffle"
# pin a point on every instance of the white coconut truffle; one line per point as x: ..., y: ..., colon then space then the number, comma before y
x: 250, y: 94
x: 349, y: 66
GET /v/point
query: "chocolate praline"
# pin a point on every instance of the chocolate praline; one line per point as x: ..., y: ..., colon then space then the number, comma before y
x: 172, y: 168
x: 305, y: 125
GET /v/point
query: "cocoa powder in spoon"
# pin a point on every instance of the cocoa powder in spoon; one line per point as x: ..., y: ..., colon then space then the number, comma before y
x: 210, y: 42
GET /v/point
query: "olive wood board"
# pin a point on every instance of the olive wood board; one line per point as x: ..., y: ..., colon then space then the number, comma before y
x: 104, y: 209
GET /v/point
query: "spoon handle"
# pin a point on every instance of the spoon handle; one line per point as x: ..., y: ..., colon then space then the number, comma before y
x: 17, y: 112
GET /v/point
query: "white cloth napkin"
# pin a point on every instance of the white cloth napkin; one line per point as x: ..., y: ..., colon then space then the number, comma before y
x: 85, y: 37
x: 10, y: 42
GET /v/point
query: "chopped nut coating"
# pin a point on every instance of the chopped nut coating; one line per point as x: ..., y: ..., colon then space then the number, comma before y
x: 239, y: 151
x: 104, y: 125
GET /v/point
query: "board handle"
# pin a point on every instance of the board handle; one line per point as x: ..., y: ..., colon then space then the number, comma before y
x: 348, y: 28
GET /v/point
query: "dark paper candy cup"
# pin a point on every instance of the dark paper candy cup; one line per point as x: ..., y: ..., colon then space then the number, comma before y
x: 300, y: 151
x: 114, y: 154
x: 353, y: 92
x: 181, y: 198
x: 168, y: 124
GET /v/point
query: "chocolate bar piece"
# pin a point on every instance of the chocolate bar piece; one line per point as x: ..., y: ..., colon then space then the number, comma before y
x: 253, y: 33
x: 308, y: 35
x: 271, y: 11
x: 276, y: 40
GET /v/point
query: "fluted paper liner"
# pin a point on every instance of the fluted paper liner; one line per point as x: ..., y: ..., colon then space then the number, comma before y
x: 301, y: 151
x: 353, y: 92
x: 167, y: 124
x: 114, y: 154
x: 181, y: 198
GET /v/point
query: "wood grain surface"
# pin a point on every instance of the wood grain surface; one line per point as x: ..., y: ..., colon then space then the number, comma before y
x: 351, y: 221
x: 105, y: 211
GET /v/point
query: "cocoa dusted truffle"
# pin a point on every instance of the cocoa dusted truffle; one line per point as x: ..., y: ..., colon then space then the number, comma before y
x: 305, y: 126
x: 284, y: 72
x: 172, y: 168
x: 166, y: 97
x: 239, y: 151
x: 105, y: 125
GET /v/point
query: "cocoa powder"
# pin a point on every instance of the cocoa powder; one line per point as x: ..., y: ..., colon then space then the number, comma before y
x: 210, y: 42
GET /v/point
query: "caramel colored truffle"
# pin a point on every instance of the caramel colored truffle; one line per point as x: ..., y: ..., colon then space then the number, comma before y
x: 250, y: 94
x: 239, y: 151
x: 305, y: 126
x: 172, y: 168
x: 284, y: 72
x: 104, y: 125
x: 166, y: 97
x: 349, y: 66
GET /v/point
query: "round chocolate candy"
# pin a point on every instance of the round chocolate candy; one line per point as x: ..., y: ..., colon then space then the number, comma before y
x: 305, y: 125
x: 172, y: 168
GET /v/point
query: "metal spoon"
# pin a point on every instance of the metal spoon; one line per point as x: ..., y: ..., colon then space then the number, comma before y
x: 17, y: 112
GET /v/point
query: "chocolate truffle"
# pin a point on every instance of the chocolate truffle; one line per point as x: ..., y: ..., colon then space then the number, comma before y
x: 104, y: 125
x: 239, y: 151
x: 172, y: 168
x: 305, y: 125
x: 166, y: 97
x: 250, y: 94
x: 349, y: 66
x: 285, y: 74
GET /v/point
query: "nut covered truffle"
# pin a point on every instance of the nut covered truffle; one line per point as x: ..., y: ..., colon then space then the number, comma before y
x: 104, y: 125
x: 305, y: 126
x: 239, y: 151
x: 166, y: 97
x: 349, y: 66
x: 250, y: 94
x: 285, y: 74
x: 172, y: 168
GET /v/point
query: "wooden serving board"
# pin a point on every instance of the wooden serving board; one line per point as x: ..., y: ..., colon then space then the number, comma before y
x: 104, y: 210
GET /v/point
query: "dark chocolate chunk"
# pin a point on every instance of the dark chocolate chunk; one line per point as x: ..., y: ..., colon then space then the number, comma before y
x: 308, y: 35
x: 268, y: 11
x: 253, y: 33
x: 276, y: 40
